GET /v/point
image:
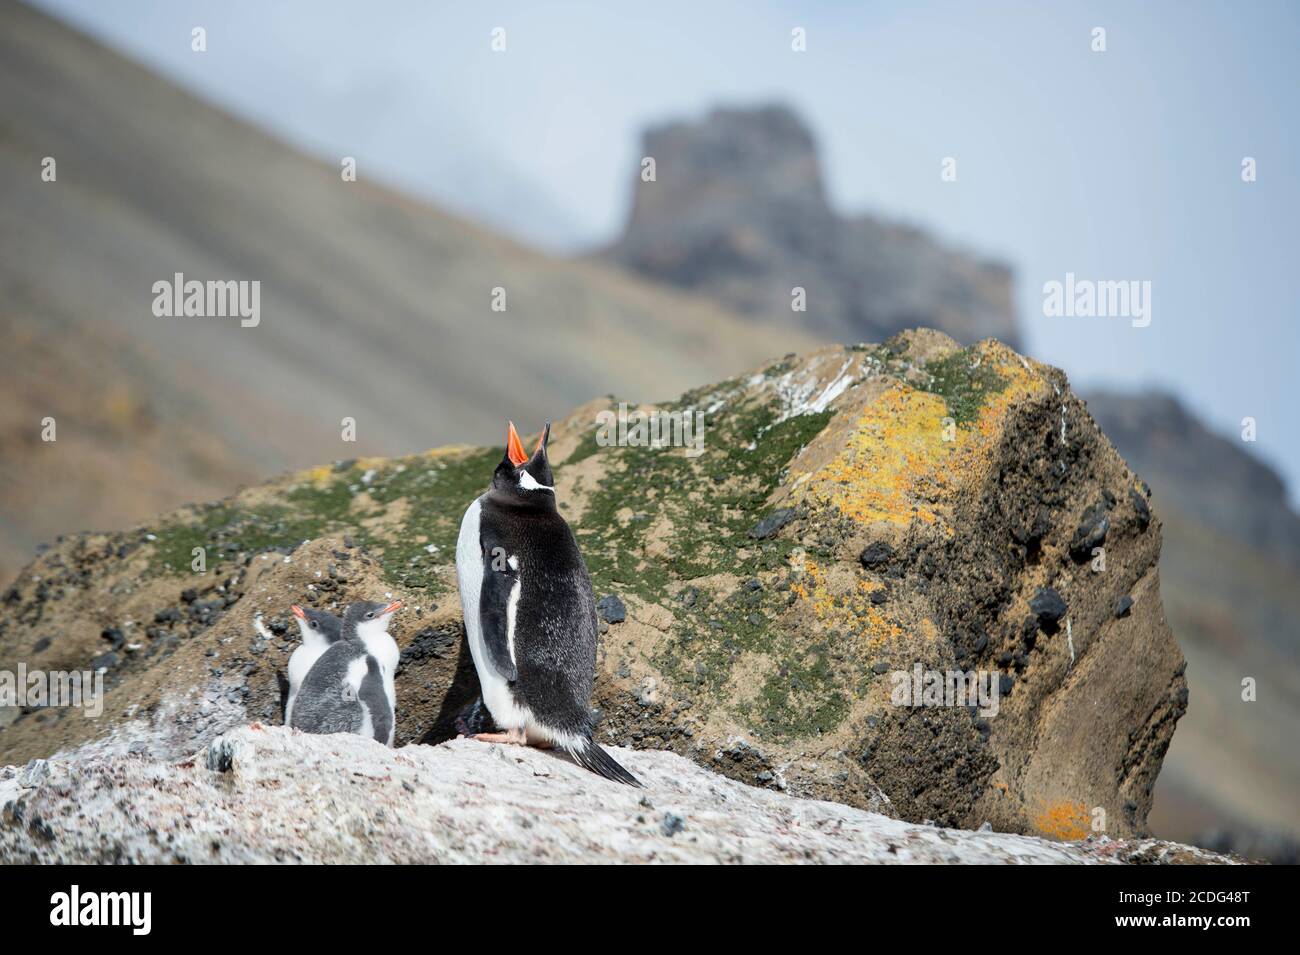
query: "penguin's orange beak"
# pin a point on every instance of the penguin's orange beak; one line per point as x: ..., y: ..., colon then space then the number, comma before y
x: 393, y: 607
x: 515, y: 447
x: 299, y: 612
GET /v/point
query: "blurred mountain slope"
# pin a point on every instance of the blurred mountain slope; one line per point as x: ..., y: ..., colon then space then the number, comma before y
x: 373, y: 306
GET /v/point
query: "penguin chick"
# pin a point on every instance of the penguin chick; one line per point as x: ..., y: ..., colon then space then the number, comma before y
x: 530, y: 615
x: 318, y: 629
x: 349, y: 689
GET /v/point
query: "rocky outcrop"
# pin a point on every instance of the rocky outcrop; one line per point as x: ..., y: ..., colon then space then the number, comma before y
x: 272, y: 795
x: 738, y: 211
x: 856, y: 514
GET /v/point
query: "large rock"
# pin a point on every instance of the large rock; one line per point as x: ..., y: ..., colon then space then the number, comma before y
x: 272, y: 795
x: 856, y: 512
x: 738, y: 211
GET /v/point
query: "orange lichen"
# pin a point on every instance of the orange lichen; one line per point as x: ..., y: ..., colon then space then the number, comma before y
x: 852, y: 612
x: 1064, y: 820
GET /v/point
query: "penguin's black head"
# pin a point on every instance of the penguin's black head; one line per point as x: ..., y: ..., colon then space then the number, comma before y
x: 317, y: 622
x: 522, y: 479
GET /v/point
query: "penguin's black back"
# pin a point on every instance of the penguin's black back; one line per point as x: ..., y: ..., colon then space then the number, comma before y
x: 555, y: 618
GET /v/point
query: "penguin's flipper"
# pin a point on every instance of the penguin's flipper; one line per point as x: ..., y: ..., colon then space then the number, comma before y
x: 283, y: 682
x: 493, y: 604
x: 373, y: 695
x: 590, y: 756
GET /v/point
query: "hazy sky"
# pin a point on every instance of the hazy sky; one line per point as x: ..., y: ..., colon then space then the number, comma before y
x: 1122, y: 165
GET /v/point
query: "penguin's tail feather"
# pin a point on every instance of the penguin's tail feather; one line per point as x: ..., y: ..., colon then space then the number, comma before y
x: 590, y: 756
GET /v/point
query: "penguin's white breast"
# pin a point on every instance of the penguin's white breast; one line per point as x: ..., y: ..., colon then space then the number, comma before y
x: 300, y: 664
x: 469, y: 575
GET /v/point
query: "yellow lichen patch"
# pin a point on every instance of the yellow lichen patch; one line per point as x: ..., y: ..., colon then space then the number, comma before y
x: 895, y: 451
x: 906, y: 456
x: 1063, y: 820
x: 1021, y: 382
x: 319, y: 476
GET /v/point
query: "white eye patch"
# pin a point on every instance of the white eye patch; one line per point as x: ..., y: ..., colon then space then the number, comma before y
x: 530, y: 483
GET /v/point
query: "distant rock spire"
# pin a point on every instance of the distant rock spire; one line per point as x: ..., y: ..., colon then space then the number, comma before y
x: 738, y: 211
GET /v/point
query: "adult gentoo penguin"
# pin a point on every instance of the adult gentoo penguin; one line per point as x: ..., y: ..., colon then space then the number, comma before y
x: 318, y: 629
x: 530, y: 617
x: 349, y: 689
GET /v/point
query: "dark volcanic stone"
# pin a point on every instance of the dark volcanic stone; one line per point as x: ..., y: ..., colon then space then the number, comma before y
x: 1141, y: 506
x: 105, y: 661
x: 772, y: 523
x: 876, y: 554
x: 611, y: 608
x: 1047, y: 605
x: 1123, y: 606
x: 430, y: 643
x: 1091, y: 532
x: 114, y: 637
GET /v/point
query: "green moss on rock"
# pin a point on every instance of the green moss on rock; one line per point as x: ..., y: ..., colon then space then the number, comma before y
x: 962, y: 382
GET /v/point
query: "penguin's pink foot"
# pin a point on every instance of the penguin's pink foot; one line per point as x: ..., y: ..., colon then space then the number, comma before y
x: 513, y: 737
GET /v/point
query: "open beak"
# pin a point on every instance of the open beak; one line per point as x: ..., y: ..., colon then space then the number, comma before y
x: 393, y: 607
x: 299, y: 612
x: 515, y: 447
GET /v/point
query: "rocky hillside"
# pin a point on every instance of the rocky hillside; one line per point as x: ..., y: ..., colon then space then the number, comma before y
x: 738, y: 211
x: 373, y: 306
x: 268, y: 795
x: 856, y: 511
